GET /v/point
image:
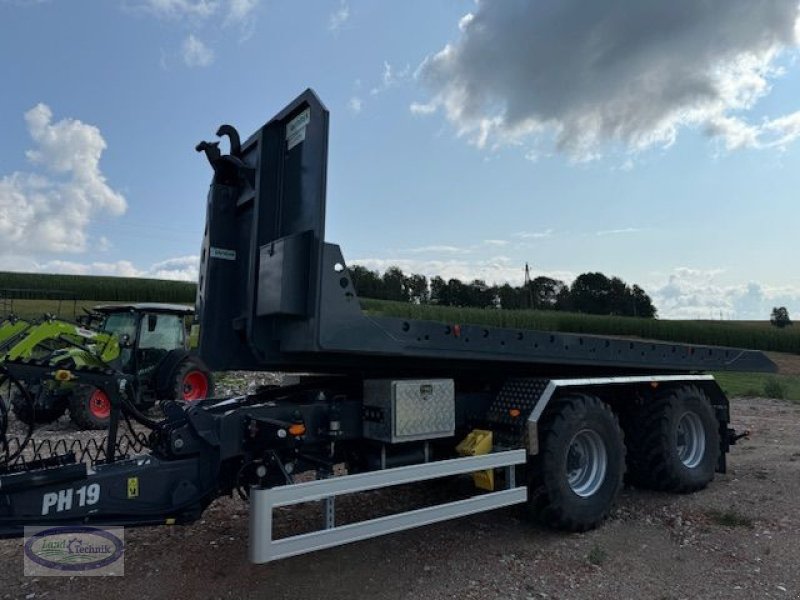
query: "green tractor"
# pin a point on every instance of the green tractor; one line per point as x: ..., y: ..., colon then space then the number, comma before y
x: 147, y: 341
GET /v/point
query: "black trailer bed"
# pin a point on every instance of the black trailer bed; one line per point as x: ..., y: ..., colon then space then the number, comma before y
x: 273, y: 295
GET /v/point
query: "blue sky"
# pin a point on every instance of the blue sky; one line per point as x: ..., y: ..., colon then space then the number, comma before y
x: 652, y: 141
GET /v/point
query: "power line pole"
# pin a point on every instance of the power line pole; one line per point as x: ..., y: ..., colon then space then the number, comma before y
x: 529, y: 285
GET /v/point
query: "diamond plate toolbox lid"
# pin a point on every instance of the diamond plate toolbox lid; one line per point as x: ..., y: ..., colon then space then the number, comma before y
x: 409, y: 409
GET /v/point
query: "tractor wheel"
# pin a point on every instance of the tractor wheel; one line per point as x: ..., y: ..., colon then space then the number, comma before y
x: 673, y: 442
x: 90, y: 408
x: 192, y: 381
x: 42, y: 413
x: 577, y: 475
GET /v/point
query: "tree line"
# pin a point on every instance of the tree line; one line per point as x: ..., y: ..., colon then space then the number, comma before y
x: 591, y: 293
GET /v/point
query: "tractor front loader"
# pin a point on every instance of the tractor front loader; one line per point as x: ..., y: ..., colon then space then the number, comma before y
x: 144, y: 341
x: 57, y: 342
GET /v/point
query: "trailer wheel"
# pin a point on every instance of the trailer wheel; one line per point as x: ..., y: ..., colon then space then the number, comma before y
x: 39, y: 414
x: 673, y: 442
x: 90, y: 408
x: 576, y: 478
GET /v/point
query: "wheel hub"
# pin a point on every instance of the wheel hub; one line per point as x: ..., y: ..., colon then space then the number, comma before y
x: 690, y: 440
x: 587, y: 461
x: 99, y: 404
x: 195, y: 386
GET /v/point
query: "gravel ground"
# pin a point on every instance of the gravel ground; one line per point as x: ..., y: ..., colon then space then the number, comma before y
x: 737, y: 539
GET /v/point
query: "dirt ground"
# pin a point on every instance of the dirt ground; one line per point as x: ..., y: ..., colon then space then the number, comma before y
x: 788, y: 364
x: 738, y: 539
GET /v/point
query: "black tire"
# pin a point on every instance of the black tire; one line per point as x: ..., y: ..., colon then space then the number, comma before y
x: 87, y: 408
x: 39, y: 414
x: 192, y: 380
x: 661, y: 453
x: 556, y: 495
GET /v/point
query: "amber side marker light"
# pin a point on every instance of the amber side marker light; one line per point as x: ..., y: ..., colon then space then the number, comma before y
x: 514, y: 412
x: 63, y: 375
x: 297, y: 429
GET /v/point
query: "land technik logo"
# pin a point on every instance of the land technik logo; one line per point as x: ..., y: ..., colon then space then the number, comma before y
x: 70, y: 551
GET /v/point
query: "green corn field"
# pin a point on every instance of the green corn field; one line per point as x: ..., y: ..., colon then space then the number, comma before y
x: 39, y: 286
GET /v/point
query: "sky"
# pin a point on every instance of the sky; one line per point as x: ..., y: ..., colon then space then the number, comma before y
x: 657, y: 142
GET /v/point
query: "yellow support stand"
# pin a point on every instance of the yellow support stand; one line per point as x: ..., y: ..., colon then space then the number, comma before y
x: 479, y: 441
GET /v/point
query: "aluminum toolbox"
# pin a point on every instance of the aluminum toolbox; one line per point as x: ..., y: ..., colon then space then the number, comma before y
x: 404, y: 410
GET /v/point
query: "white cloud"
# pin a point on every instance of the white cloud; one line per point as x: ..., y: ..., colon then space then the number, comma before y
x: 183, y: 9
x: 588, y: 76
x: 464, y: 22
x: 240, y: 11
x: 734, y: 133
x: 418, y: 108
x: 391, y: 77
x: 355, y: 104
x: 339, y: 16
x: 121, y: 268
x: 622, y: 231
x: 196, y: 53
x: 200, y: 15
x: 780, y: 132
x: 435, y: 249
x: 771, y: 133
x: 698, y: 294
x: 496, y: 242
x: 534, y: 235
x: 532, y: 155
x: 49, y: 210
x: 233, y: 12
x: 24, y: 3
x: 183, y: 268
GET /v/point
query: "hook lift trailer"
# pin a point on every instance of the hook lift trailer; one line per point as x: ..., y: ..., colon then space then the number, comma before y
x: 550, y: 420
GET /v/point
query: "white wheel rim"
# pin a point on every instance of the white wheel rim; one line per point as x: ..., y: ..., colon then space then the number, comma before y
x: 690, y: 440
x: 587, y: 462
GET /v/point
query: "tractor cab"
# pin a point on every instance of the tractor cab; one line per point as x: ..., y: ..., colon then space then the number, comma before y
x: 147, y: 332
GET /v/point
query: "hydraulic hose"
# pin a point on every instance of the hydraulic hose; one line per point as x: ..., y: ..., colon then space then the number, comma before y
x: 7, y: 456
